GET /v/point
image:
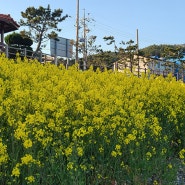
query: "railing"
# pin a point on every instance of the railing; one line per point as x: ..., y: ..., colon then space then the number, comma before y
x: 11, y: 52
x: 179, y: 75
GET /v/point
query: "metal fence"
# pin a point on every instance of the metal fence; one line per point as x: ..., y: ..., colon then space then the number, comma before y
x: 138, y: 71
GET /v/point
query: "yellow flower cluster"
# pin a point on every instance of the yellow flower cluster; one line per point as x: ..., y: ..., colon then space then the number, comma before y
x: 16, y: 171
x: 86, y: 124
x: 25, y: 160
x: 117, y: 151
x: 30, y: 179
x: 182, y: 153
x: 3, y: 153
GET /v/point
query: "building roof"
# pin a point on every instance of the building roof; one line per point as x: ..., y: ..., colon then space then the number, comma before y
x: 7, y: 23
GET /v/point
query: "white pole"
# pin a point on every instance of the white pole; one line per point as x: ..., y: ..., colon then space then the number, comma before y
x: 77, y: 29
x: 85, y: 46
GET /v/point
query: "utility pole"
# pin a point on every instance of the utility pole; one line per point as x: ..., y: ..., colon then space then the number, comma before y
x: 77, y: 30
x: 137, y: 39
x: 85, y: 44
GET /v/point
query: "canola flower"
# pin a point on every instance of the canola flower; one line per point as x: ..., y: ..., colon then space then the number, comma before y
x: 30, y: 179
x: 89, y: 127
x: 27, y: 143
x: 182, y: 153
x: 27, y: 159
x: 3, y: 153
x: 16, y: 171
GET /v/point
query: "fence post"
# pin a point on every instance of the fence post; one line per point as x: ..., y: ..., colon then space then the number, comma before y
x: 40, y: 56
x: 183, y: 75
x: 45, y: 57
x: 138, y: 72
x: 24, y: 52
x: 6, y: 51
x: 67, y: 63
x: 56, y: 63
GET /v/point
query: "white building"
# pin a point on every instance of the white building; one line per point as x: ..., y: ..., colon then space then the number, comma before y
x: 141, y: 64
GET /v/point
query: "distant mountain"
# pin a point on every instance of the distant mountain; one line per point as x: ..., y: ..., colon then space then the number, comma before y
x: 183, y: 45
x: 162, y: 50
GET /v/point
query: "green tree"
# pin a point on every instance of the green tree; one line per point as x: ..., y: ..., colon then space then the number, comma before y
x: 93, y: 51
x: 42, y: 23
x: 114, y: 54
x: 130, y: 51
x: 102, y: 59
x: 123, y: 55
x: 173, y: 56
x: 17, y: 43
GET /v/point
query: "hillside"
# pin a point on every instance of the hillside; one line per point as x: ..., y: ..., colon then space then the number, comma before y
x: 162, y: 50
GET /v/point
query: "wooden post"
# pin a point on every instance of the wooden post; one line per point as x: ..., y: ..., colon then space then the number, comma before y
x: 6, y: 51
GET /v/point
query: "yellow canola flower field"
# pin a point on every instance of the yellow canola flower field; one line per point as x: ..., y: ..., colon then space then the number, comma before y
x: 65, y: 127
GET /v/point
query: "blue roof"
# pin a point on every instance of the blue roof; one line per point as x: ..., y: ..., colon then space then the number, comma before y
x: 177, y: 61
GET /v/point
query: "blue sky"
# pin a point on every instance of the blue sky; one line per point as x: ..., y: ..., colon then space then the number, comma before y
x: 158, y: 22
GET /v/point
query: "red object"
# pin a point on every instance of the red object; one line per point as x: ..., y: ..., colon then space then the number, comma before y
x: 7, y: 24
